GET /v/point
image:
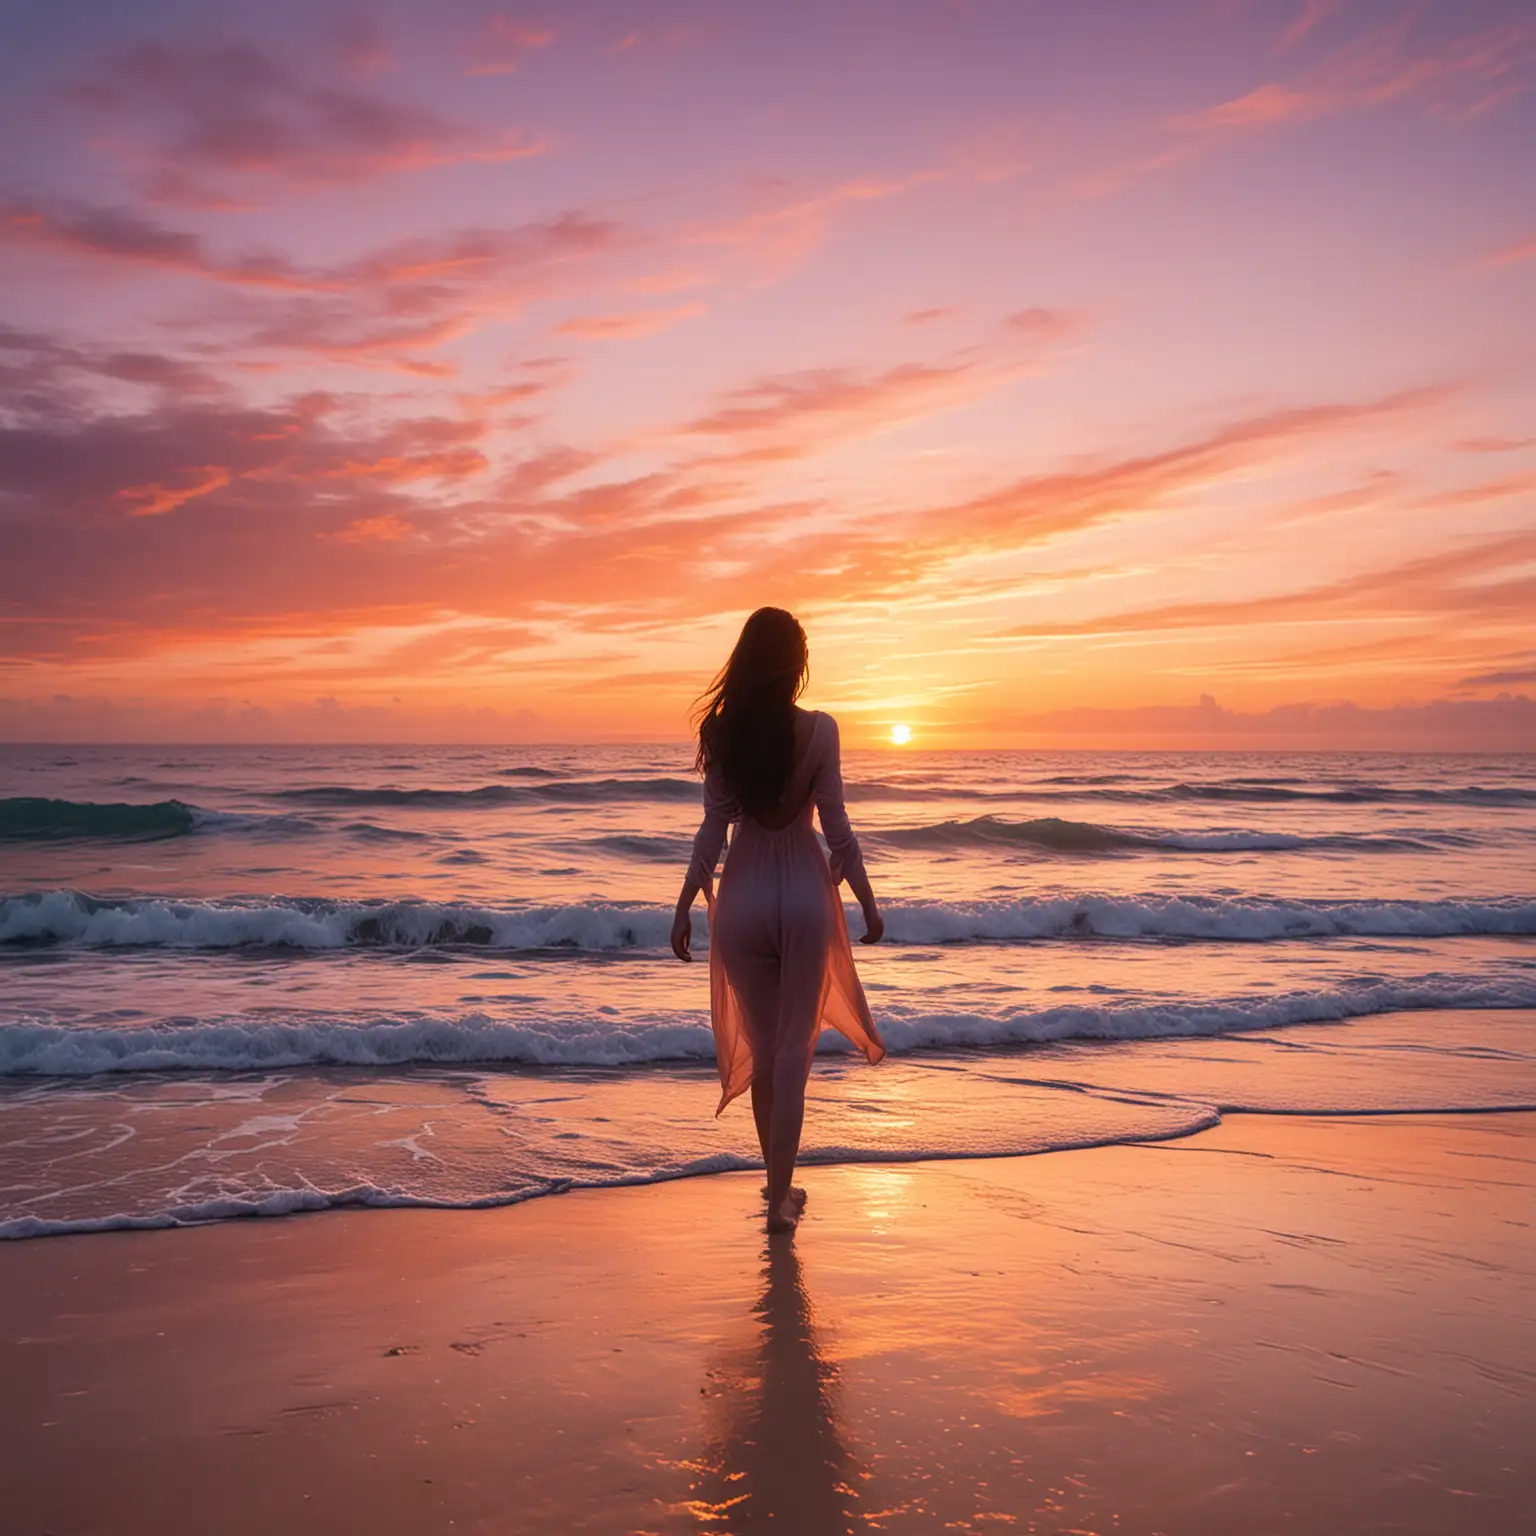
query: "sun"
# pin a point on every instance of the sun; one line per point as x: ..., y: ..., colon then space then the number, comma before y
x: 900, y: 735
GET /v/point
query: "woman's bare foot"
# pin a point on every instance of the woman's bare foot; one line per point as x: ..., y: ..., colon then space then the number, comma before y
x: 786, y: 1218
x: 796, y: 1194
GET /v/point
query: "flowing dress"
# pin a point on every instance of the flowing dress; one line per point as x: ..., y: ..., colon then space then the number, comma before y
x: 780, y: 965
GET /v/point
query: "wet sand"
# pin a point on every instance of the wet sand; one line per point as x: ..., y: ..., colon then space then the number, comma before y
x: 1281, y: 1324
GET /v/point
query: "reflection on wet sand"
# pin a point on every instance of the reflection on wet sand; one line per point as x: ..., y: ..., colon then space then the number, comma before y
x: 777, y: 1458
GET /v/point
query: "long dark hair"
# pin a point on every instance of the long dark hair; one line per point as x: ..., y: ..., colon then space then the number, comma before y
x: 746, y: 717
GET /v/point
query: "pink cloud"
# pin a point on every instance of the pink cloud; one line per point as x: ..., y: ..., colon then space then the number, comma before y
x: 360, y: 42
x: 1311, y: 16
x: 1512, y: 254
x: 802, y: 406
x: 1463, y: 78
x: 119, y: 235
x: 1466, y: 76
x: 1494, y: 444
x: 380, y: 310
x: 928, y: 316
x: 41, y: 365
x: 506, y: 42
x: 1041, y: 326
x: 201, y: 118
x: 779, y: 236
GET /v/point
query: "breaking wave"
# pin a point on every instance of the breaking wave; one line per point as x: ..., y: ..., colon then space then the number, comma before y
x: 72, y: 917
x: 244, y: 1044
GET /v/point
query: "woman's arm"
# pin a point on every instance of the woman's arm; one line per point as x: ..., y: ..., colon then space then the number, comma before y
x: 847, y: 856
x: 720, y: 810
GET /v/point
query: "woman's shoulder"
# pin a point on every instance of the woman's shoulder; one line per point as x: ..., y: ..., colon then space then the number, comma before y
x: 810, y: 724
x: 815, y: 737
x: 821, y: 723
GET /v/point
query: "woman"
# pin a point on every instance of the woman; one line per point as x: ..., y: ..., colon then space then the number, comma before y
x: 780, y: 964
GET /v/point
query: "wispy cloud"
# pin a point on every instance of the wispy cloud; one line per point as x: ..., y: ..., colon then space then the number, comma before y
x: 630, y: 325
x: 1461, y: 78
x: 506, y: 42
x: 213, y: 124
x: 1494, y: 444
x: 384, y: 308
x: 1492, y: 725
x: 1523, y: 249
x: 1494, y: 578
x: 1045, y: 506
x: 1042, y: 326
x: 154, y: 499
x: 1504, y: 678
x: 786, y: 227
x: 791, y: 407
x: 1312, y: 15
x: 120, y: 234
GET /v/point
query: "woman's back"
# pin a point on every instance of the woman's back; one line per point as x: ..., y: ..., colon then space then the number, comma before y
x: 797, y: 792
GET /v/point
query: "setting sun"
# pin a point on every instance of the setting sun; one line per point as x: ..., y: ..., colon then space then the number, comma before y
x: 901, y: 735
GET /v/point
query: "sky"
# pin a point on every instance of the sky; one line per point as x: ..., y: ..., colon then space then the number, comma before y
x: 1115, y: 374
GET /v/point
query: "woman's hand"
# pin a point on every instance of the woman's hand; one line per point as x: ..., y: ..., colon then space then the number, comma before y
x: 874, y: 925
x: 682, y: 932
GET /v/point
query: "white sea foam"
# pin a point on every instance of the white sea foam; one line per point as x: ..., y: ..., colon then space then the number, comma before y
x: 289, y: 1202
x: 70, y: 917
x: 548, y: 1039
x: 1174, y: 1121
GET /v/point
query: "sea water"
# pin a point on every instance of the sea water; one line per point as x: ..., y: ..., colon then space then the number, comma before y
x: 264, y: 979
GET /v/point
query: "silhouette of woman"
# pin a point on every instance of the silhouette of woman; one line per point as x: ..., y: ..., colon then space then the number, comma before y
x: 780, y: 965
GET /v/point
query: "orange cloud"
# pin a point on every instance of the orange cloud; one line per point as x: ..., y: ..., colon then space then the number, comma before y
x: 1491, y: 579
x: 154, y: 500
x: 386, y: 529
x: 1475, y: 725
x: 628, y: 327
x: 450, y: 464
x: 1046, y: 506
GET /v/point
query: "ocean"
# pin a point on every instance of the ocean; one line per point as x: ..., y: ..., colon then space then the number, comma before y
x: 258, y: 980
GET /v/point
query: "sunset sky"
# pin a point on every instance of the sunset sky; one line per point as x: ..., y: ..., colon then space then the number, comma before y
x: 450, y: 372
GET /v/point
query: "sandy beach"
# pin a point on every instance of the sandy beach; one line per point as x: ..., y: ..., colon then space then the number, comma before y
x: 611, y: 610
x: 1284, y: 1323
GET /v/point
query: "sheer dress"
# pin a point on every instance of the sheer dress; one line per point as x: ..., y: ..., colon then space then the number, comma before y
x: 780, y: 963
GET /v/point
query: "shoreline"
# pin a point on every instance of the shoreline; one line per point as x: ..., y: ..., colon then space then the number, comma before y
x: 232, y: 1147
x: 1280, y: 1322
